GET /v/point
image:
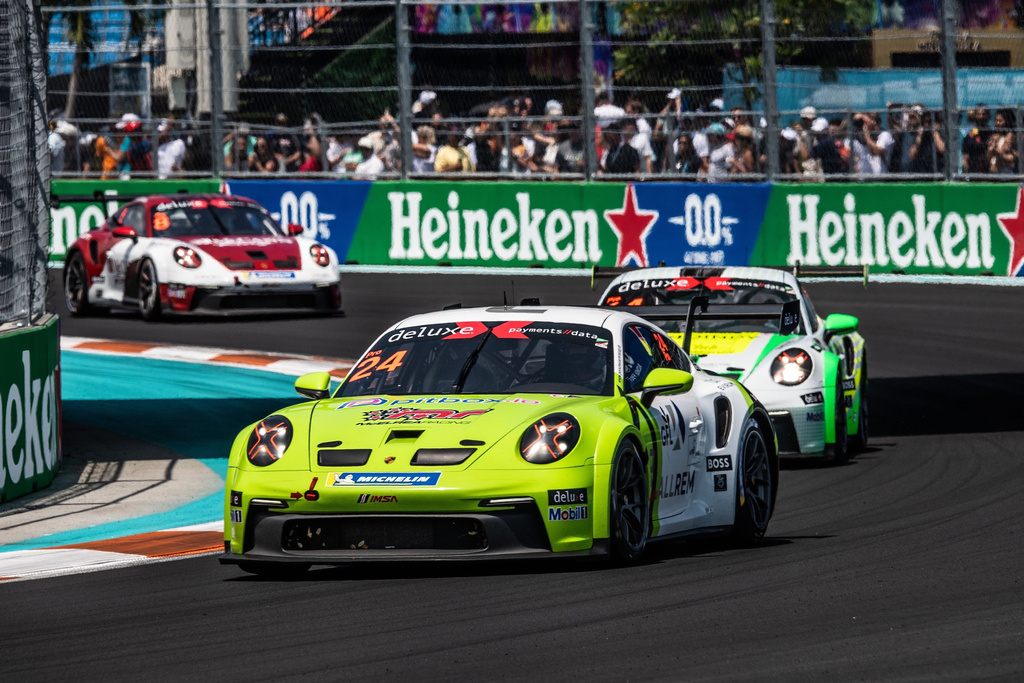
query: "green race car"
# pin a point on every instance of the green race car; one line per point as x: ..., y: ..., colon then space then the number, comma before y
x: 497, y: 433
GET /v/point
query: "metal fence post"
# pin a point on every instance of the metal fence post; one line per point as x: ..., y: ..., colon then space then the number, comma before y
x: 951, y: 118
x: 404, y: 86
x: 587, y: 83
x: 769, y: 78
x: 216, y: 89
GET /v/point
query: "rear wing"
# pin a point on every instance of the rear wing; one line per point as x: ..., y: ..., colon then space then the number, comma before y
x: 109, y: 197
x: 799, y: 271
x: 788, y: 314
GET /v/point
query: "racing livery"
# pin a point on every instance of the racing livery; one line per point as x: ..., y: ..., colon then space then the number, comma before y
x: 811, y: 374
x: 198, y: 253
x: 502, y: 432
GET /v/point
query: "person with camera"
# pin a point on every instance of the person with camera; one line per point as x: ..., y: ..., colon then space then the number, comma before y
x: 928, y: 149
x: 871, y: 144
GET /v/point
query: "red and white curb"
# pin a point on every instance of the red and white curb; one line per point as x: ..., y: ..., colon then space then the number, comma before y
x: 272, y: 362
x: 78, y: 558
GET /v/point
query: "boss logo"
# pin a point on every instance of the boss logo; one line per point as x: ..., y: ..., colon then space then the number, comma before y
x: 719, y: 463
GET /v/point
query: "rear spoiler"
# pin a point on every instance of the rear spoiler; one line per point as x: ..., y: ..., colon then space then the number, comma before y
x: 788, y: 314
x: 106, y: 197
x: 800, y: 271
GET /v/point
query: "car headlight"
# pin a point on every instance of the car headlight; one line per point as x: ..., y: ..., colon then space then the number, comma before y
x: 791, y: 367
x: 320, y: 255
x: 550, y: 438
x: 186, y: 257
x: 269, y: 440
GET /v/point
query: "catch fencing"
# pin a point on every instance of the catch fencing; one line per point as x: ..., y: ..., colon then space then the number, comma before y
x: 24, y: 165
x: 716, y: 90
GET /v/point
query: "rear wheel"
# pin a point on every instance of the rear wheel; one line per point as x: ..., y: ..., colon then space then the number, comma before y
x: 755, y: 500
x: 630, y: 505
x: 149, y: 291
x: 76, y: 286
x: 838, y: 453
x: 274, y: 570
x: 860, y: 440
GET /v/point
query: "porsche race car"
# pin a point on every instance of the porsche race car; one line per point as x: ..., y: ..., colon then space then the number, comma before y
x: 192, y: 253
x: 501, y: 432
x: 810, y: 373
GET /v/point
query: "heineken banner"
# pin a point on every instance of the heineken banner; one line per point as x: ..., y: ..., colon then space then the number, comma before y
x: 30, y: 398
x: 79, y: 211
x: 921, y: 228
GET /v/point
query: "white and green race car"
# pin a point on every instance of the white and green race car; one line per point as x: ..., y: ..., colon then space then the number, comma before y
x: 758, y: 325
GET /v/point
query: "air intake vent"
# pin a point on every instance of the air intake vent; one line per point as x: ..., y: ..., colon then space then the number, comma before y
x: 342, y: 457
x: 427, y: 457
x: 257, y: 255
x: 723, y: 421
x: 404, y: 434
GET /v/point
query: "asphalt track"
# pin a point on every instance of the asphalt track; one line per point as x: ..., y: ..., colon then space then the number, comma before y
x: 906, y: 564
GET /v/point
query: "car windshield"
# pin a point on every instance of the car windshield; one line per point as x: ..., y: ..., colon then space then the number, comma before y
x: 491, y: 357
x: 719, y: 290
x: 198, y: 217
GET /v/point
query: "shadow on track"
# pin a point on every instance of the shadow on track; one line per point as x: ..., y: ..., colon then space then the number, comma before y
x: 949, y: 404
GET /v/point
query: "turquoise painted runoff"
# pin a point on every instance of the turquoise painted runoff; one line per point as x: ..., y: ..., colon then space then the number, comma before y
x: 190, y: 408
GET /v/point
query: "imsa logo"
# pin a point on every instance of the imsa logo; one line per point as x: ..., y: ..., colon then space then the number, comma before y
x: 567, y: 514
x: 367, y: 498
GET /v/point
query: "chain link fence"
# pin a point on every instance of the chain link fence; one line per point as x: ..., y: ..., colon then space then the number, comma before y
x: 715, y: 90
x: 24, y: 164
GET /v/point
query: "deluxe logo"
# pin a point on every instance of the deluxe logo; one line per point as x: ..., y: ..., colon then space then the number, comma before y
x: 28, y: 437
x: 928, y: 239
x: 512, y: 233
x: 812, y: 399
x: 567, y: 497
x: 367, y: 498
x: 428, y: 400
x: 384, y: 479
x: 568, y: 514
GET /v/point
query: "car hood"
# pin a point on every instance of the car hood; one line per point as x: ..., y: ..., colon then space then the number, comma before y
x: 257, y: 252
x: 734, y: 354
x: 398, y: 426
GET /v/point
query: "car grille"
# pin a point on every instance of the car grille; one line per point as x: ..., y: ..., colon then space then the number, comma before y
x: 785, y: 432
x: 383, y: 533
x: 297, y: 300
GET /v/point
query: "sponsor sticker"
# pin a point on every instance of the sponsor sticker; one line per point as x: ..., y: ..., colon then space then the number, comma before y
x: 721, y: 483
x: 432, y: 400
x: 813, y: 399
x: 815, y: 417
x: 368, y: 498
x: 384, y: 479
x: 236, y: 499
x: 567, y: 514
x: 236, y: 516
x: 420, y: 415
x: 269, y: 275
x: 849, y: 385
x: 567, y: 497
x: 719, y: 463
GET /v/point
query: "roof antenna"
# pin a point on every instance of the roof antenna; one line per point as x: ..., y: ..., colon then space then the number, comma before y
x: 504, y: 298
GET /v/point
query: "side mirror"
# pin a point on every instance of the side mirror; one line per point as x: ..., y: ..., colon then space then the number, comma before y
x: 664, y: 381
x: 314, y: 385
x: 295, y: 229
x: 125, y: 231
x: 837, y: 323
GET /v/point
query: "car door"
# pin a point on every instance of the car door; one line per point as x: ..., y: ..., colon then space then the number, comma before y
x: 680, y: 427
x: 123, y: 251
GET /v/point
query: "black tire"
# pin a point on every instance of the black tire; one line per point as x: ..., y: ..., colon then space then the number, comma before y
x: 860, y: 439
x: 149, y: 291
x: 755, y: 500
x: 838, y: 453
x: 275, y: 570
x: 630, y: 509
x: 76, y: 286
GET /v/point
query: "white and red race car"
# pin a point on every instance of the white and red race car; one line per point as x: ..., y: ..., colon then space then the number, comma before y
x: 199, y: 253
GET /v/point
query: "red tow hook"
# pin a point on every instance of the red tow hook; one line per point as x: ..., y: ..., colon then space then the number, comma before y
x: 311, y: 495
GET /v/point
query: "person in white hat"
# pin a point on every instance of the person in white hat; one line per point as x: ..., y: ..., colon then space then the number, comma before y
x: 170, y: 151
x: 372, y: 165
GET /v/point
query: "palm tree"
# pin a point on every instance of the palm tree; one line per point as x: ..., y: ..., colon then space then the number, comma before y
x: 83, y: 33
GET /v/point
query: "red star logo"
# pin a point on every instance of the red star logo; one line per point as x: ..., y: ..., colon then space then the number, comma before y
x: 1013, y: 227
x: 631, y: 226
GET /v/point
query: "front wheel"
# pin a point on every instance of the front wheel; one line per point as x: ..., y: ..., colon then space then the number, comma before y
x: 838, y: 452
x: 149, y: 291
x: 630, y: 506
x: 76, y: 286
x: 755, y: 496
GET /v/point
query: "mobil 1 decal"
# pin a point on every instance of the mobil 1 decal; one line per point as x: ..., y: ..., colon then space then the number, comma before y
x: 688, y: 224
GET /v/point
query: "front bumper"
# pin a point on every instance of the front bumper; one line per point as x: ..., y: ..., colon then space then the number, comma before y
x: 235, y: 300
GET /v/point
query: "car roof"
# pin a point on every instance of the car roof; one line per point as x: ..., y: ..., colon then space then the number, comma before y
x: 740, y: 272
x: 578, y: 315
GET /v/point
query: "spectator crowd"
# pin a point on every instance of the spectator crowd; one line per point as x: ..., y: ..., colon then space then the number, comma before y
x: 516, y: 136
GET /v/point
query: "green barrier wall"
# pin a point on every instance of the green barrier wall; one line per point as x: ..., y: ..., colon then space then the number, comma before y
x: 29, y: 408
x: 72, y: 219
